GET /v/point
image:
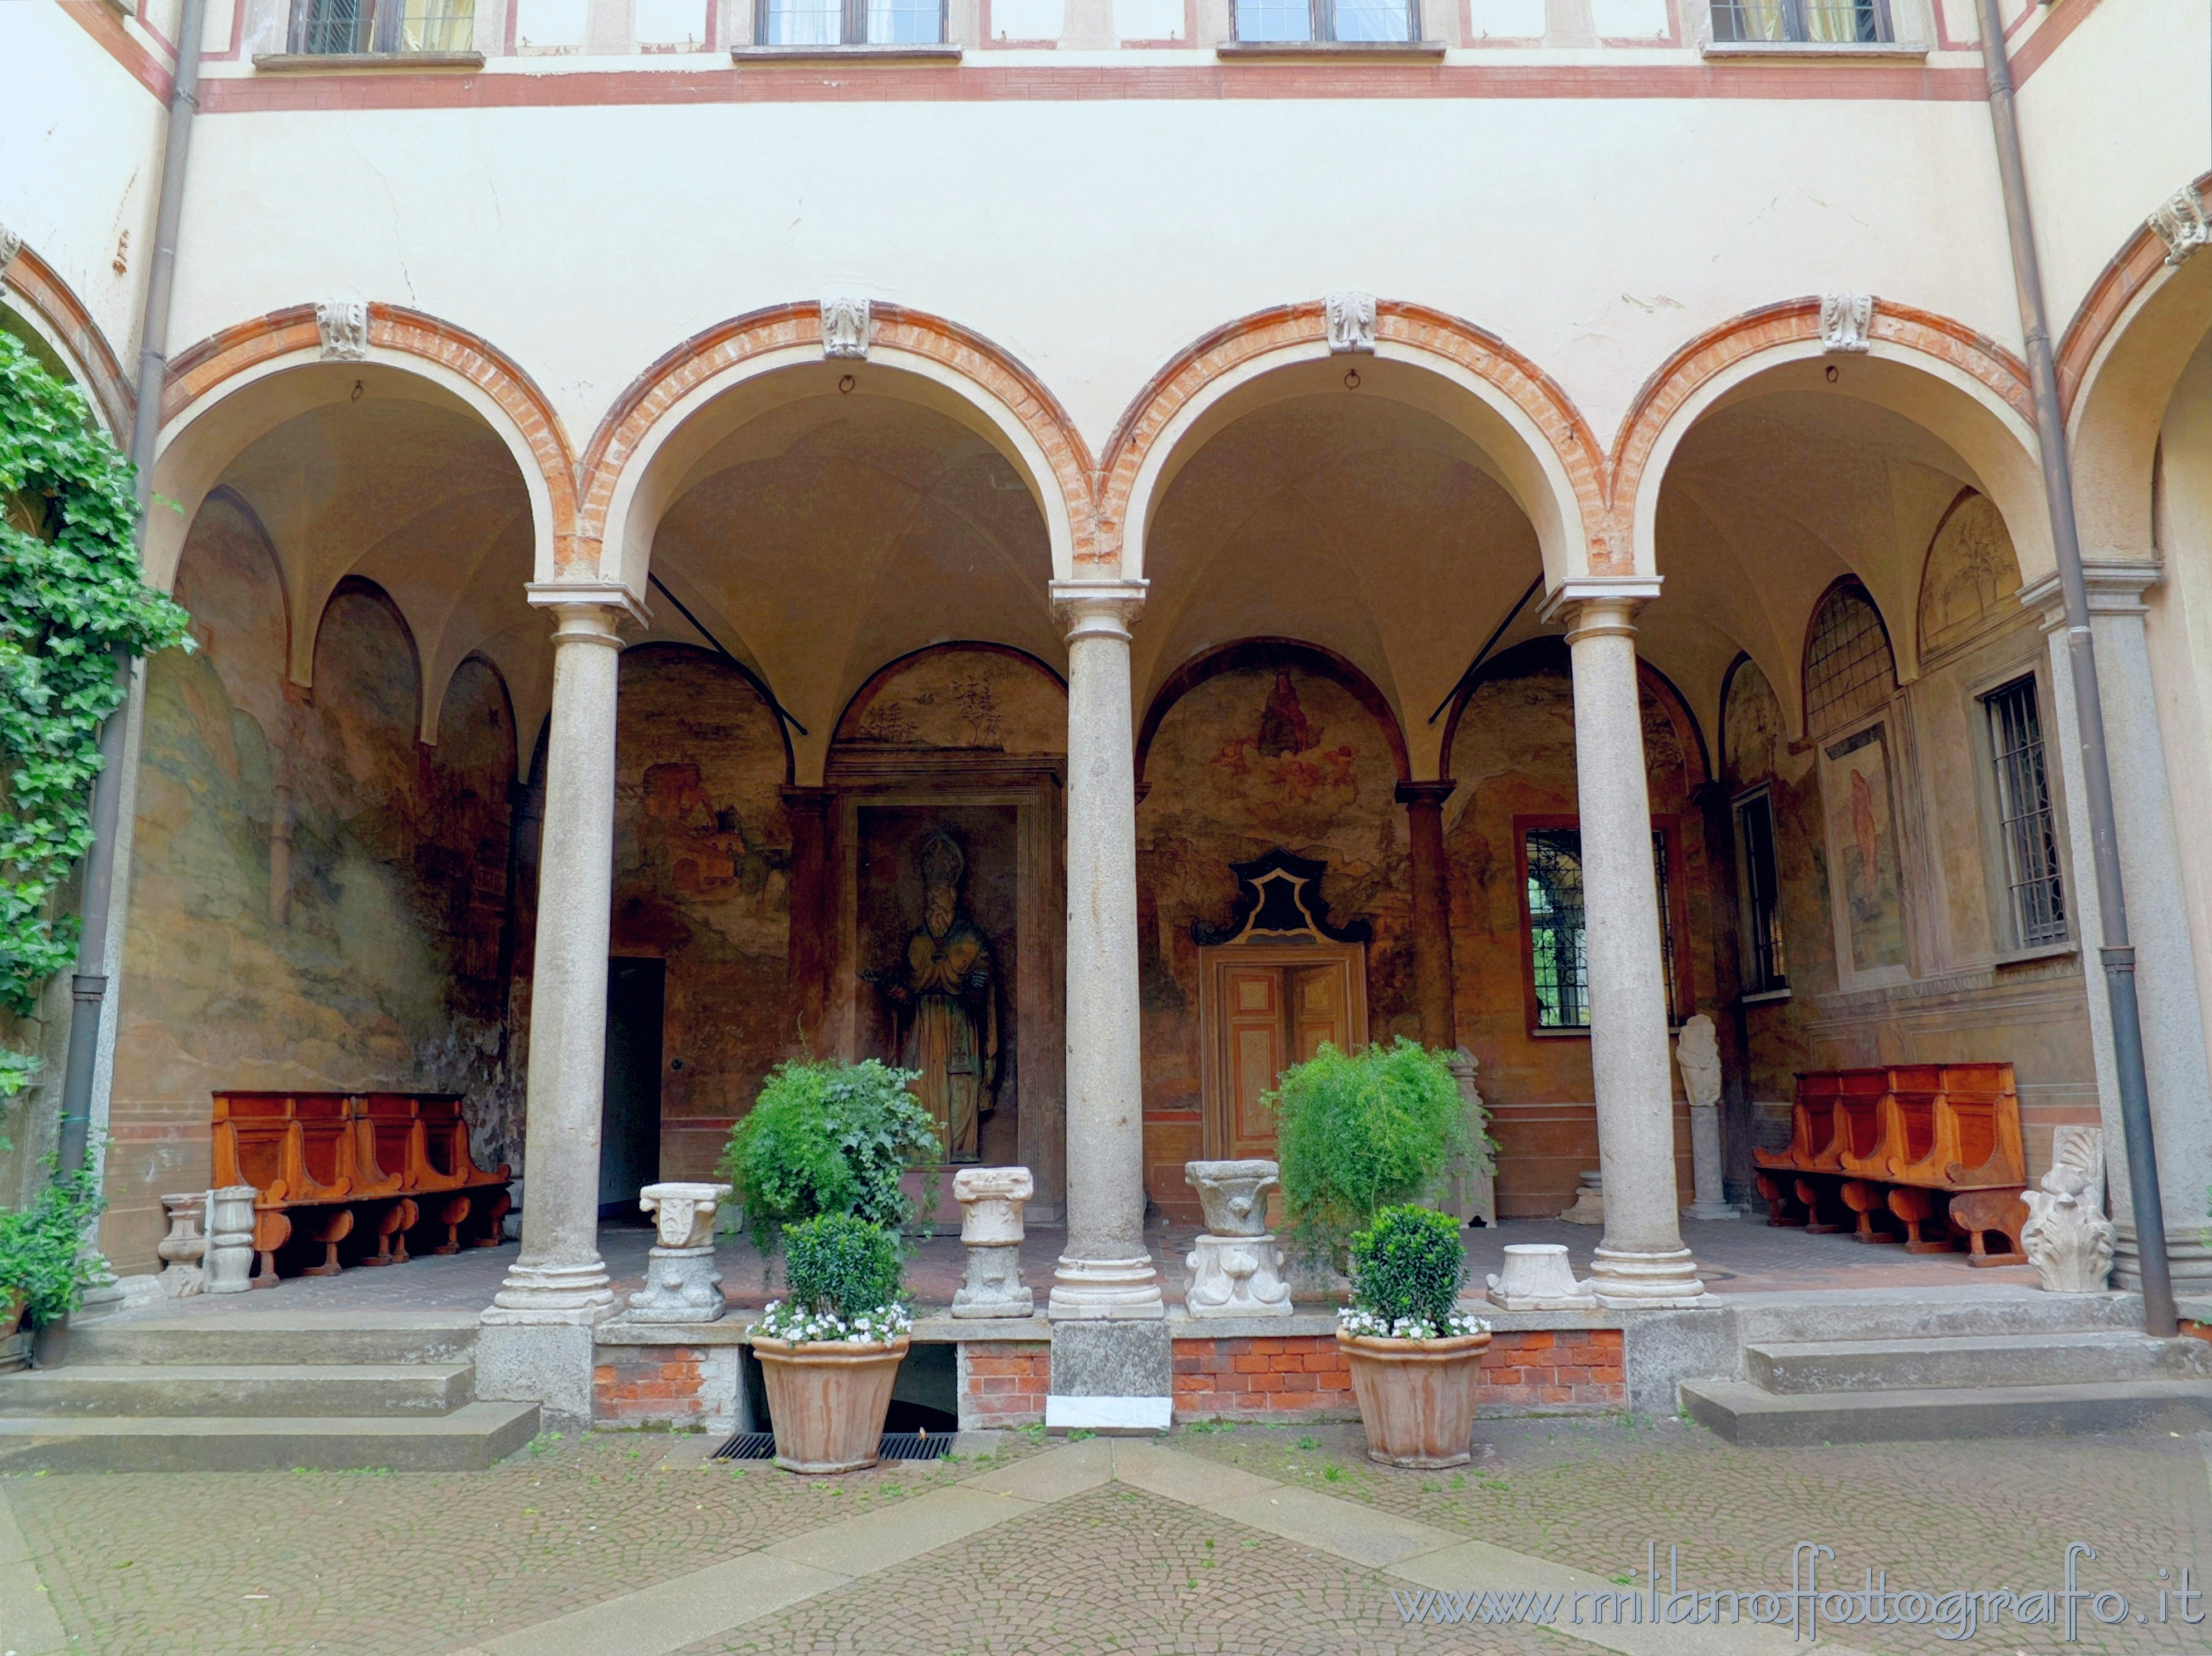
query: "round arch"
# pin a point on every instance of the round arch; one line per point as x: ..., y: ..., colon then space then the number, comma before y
x: 237, y: 385
x: 2122, y: 356
x: 1952, y: 382
x: 360, y: 587
x: 848, y: 718
x: 50, y: 309
x: 1255, y: 651
x: 1537, y: 444
x: 1549, y: 650
x: 720, y: 379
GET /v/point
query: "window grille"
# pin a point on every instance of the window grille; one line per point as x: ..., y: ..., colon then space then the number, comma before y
x: 1558, y: 935
x: 1849, y: 668
x: 849, y: 22
x: 2031, y: 835
x: 1268, y: 21
x: 328, y: 27
x: 1828, y: 22
x: 1762, y: 895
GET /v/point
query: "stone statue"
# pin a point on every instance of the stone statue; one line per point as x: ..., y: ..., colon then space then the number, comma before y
x: 2067, y: 1237
x: 945, y: 997
x: 1697, y: 1053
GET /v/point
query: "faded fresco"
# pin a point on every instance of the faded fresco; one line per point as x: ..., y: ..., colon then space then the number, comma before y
x: 317, y: 900
x: 966, y: 696
x: 702, y: 853
x: 1971, y: 577
x: 1257, y: 757
x: 1855, y: 783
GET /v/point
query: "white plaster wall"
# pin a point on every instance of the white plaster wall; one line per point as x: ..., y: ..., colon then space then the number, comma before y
x: 1096, y: 239
x: 79, y: 165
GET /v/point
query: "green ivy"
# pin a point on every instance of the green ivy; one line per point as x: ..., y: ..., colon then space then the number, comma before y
x: 71, y: 598
x: 43, y: 1256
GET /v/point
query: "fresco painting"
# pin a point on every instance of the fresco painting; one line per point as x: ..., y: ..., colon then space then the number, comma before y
x: 1863, y: 836
x: 1971, y: 577
x: 963, y: 696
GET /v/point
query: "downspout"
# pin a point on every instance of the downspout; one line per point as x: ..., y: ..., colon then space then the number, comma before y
x: 2118, y: 953
x: 88, y: 987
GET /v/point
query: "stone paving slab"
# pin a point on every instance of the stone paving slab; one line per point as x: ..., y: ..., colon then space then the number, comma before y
x: 662, y: 1618
x: 862, y: 1546
x: 28, y: 1626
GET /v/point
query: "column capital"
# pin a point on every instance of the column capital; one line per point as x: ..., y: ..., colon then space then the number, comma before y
x: 1431, y: 793
x: 2116, y: 588
x: 1592, y: 604
x: 813, y: 801
x: 1097, y: 609
x: 587, y: 612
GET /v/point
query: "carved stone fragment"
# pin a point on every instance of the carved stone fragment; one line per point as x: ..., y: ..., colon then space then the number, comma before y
x: 1351, y: 318
x: 2180, y: 222
x: 845, y: 328
x: 1846, y: 322
x: 1539, y: 1277
x: 2067, y: 1237
x: 1238, y: 1270
x: 991, y: 1225
x: 681, y: 1282
x: 343, y: 325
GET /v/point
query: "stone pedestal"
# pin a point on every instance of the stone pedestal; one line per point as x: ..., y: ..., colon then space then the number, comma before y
x: 681, y: 1284
x: 1236, y: 1270
x: 2067, y: 1237
x: 1589, y: 1199
x: 228, y: 1260
x: 185, y: 1245
x: 1470, y: 1189
x: 990, y: 1226
x: 1698, y: 1055
x: 1538, y: 1277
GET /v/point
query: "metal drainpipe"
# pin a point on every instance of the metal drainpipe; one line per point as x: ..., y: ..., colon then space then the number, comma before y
x: 88, y: 988
x: 2118, y: 953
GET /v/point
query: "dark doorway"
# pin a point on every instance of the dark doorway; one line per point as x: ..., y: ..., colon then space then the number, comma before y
x: 629, y: 1117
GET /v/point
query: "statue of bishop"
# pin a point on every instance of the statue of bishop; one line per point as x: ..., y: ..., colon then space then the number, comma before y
x: 944, y: 995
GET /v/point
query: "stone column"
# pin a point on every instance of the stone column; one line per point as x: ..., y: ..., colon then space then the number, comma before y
x: 1106, y: 1272
x: 807, y: 963
x: 1432, y: 894
x: 2174, y: 1057
x: 537, y: 1342
x: 1732, y: 1028
x: 1641, y: 1261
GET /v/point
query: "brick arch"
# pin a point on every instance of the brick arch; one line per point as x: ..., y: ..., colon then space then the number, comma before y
x: 1419, y: 333
x: 2130, y: 272
x: 1782, y: 332
x: 639, y: 412
x: 200, y: 372
x: 62, y: 317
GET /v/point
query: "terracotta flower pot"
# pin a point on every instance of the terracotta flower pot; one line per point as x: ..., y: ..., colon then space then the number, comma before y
x: 827, y: 1400
x: 11, y: 1311
x: 1416, y: 1396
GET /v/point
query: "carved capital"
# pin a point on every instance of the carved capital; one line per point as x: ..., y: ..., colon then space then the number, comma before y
x: 2180, y: 222
x: 1846, y: 322
x: 1350, y: 319
x: 1097, y: 609
x: 343, y: 325
x: 1590, y: 605
x: 587, y: 612
x: 845, y: 328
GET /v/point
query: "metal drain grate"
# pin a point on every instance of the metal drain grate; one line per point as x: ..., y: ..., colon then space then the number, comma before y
x: 895, y: 1446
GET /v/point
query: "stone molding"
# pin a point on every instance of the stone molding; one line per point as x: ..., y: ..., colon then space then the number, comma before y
x: 2114, y: 589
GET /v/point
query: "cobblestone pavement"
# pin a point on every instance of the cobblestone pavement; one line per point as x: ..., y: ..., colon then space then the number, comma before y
x: 436, y: 1564
x: 1984, y: 1514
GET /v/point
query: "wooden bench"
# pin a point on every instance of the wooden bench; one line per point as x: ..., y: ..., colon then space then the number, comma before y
x: 329, y: 1165
x: 1893, y: 1153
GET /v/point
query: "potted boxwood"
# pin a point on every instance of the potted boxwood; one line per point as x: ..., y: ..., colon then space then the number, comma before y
x: 46, y: 1252
x: 1356, y: 1131
x: 830, y: 1350
x: 1415, y: 1359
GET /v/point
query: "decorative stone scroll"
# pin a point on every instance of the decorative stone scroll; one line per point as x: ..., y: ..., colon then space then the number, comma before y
x: 343, y: 325
x: 2180, y: 222
x: 1351, y: 318
x: 1236, y: 1269
x: 10, y: 245
x: 992, y: 1228
x: 845, y: 328
x: 1538, y: 1276
x: 681, y: 1282
x: 185, y: 1245
x: 1589, y: 1200
x: 2067, y: 1237
x: 1846, y: 322
x: 228, y: 1259
x: 1697, y: 1053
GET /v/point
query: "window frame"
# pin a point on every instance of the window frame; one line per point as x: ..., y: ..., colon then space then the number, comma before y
x: 386, y: 37
x: 1757, y: 985
x: 1320, y: 26
x: 1675, y: 939
x: 2005, y: 931
x: 1796, y: 28
x: 851, y: 30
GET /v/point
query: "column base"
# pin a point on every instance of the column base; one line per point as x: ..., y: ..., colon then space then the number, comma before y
x: 2188, y: 1261
x: 1712, y: 1210
x: 1127, y: 1288
x: 1111, y: 1376
x: 1624, y: 1280
x: 535, y: 1291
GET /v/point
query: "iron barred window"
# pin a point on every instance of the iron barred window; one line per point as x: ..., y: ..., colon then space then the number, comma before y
x: 850, y: 23
x: 1765, y: 971
x: 2031, y: 835
x: 1558, y: 935
x: 1831, y: 22
x: 1849, y: 668
x: 332, y: 28
x: 1268, y: 21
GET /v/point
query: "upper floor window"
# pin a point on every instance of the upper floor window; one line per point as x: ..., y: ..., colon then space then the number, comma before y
x: 1827, y: 22
x: 1849, y: 671
x: 327, y: 28
x: 2024, y: 815
x: 849, y: 22
x: 1260, y: 22
x: 1559, y: 932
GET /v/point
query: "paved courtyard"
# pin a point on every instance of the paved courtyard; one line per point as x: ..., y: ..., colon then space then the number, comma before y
x: 1259, y: 1539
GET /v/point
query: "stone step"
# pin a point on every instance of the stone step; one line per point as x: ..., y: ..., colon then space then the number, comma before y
x: 204, y: 1338
x: 356, y: 1390
x: 1743, y: 1413
x: 1925, y: 1314
x: 473, y: 1437
x: 2008, y: 1360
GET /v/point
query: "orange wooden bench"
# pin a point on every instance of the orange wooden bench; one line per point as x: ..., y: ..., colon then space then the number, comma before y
x: 1902, y: 1148
x: 325, y: 1165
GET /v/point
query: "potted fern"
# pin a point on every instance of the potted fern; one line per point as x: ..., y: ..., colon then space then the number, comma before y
x: 1415, y: 1359
x: 829, y: 1351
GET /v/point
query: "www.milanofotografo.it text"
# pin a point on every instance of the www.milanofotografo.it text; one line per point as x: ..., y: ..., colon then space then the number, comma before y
x: 1808, y: 1606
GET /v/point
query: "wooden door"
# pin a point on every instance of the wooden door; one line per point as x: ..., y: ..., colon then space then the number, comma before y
x: 1254, y: 1029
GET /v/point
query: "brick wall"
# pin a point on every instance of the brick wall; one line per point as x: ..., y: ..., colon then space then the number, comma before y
x: 1004, y: 1383
x: 686, y: 1388
x: 1307, y: 1376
